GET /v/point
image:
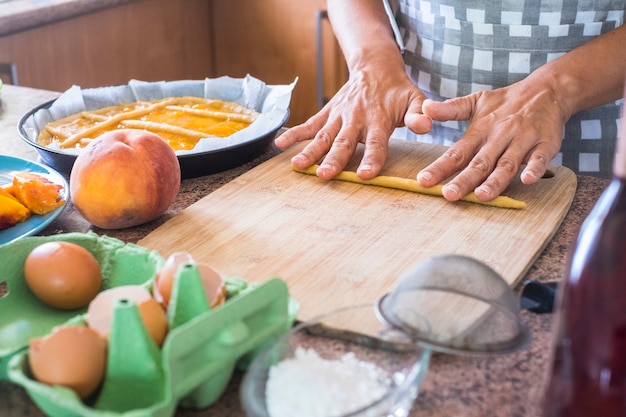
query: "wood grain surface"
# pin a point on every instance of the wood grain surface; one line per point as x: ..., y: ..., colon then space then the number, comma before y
x: 337, y: 243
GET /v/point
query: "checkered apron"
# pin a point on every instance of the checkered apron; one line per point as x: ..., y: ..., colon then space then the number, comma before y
x: 453, y: 48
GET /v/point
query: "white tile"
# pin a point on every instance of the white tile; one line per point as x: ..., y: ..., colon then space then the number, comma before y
x: 519, y: 62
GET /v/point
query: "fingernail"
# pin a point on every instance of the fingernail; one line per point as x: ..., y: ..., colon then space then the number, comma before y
x: 324, y: 167
x: 424, y: 177
x: 528, y: 176
x: 482, y: 190
x: 451, y: 190
x: 365, y: 167
x: 299, y: 161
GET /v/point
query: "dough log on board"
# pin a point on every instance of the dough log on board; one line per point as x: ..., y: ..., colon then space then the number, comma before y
x: 412, y: 185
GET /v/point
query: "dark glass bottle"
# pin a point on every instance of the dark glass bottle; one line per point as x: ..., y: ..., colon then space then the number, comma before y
x: 588, y: 370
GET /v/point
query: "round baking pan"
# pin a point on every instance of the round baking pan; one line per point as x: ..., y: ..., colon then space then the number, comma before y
x: 191, y: 164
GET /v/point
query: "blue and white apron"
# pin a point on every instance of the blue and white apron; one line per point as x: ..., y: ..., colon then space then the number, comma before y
x: 453, y: 48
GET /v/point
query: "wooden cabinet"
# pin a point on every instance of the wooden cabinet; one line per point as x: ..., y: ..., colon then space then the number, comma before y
x: 146, y: 39
x: 276, y: 41
x: 152, y: 40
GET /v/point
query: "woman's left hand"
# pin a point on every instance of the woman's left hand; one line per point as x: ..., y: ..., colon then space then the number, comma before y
x: 519, y: 124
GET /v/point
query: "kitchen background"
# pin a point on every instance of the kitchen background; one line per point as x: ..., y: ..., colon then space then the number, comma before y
x: 54, y: 44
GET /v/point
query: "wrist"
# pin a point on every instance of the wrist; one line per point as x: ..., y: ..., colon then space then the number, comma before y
x: 562, y: 88
x: 590, y: 75
x: 386, y: 61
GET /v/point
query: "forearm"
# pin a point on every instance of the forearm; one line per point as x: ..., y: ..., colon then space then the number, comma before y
x: 590, y: 75
x: 363, y: 31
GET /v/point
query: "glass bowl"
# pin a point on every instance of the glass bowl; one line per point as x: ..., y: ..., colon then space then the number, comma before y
x: 344, y: 363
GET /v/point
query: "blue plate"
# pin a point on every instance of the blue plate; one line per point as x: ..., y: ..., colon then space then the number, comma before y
x: 9, y: 166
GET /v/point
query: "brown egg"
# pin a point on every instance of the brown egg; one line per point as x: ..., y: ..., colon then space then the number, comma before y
x: 63, y: 274
x: 71, y: 356
x: 214, y: 286
x: 101, y: 309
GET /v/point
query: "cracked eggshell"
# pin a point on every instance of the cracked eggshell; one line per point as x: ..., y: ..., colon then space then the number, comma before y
x: 70, y: 356
x: 214, y: 286
x: 100, y: 312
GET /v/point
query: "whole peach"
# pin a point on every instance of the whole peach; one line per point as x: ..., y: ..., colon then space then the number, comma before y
x: 124, y: 178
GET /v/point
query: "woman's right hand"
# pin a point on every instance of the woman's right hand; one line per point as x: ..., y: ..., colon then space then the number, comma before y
x: 376, y: 99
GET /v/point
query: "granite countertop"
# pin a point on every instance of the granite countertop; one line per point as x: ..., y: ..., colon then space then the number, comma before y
x: 499, y: 386
x: 19, y: 15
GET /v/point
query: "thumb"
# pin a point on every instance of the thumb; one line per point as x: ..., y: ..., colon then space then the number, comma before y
x: 460, y: 108
x: 415, y: 120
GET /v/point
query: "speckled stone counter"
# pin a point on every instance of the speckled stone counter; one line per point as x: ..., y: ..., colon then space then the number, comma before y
x: 18, y: 15
x: 499, y: 386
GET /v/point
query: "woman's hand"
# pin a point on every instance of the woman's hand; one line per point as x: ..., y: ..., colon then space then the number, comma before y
x: 519, y: 124
x: 367, y: 109
x: 523, y: 123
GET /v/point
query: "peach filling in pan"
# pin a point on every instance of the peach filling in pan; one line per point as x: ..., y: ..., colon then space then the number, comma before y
x: 181, y: 121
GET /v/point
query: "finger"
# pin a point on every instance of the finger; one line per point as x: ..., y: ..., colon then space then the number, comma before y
x: 488, y: 183
x: 341, y: 151
x: 375, y: 154
x: 418, y: 123
x: 498, y: 163
x: 293, y: 135
x: 459, y: 108
x: 475, y: 155
x: 493, y: 167
x: 509, y: 165
x: 464, y: 183
x: 506, y: 169
x: 451, y: 161
x: 287, y: 139
x: 414, y: 119
x: 302, y: 132
x: 537, y: 165
x: 317, y: 148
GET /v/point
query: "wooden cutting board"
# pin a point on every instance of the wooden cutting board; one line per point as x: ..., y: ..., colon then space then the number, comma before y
x: 337, y: 243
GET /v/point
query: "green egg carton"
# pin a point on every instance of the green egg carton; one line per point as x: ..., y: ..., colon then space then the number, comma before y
x: 196, y: 362
x: 24, y: 317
